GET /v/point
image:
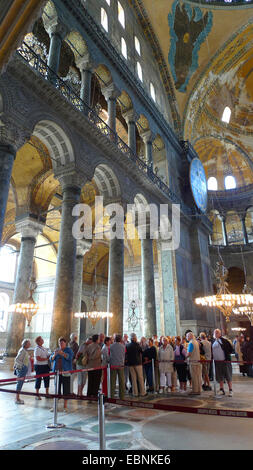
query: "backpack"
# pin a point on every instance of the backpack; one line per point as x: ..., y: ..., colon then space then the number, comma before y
x: 201, y: 351
x: 181, y: 357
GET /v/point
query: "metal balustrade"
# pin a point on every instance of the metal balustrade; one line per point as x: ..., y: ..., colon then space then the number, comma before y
x: 37, y: 64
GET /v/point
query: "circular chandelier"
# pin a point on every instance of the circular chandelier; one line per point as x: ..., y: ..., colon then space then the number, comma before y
x: 224, y: 300
x: 245, y: 310
x: 29, y: 308
x: 93, y: 316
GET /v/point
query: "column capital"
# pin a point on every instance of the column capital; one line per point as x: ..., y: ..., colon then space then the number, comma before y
x: 54, y: 26
x: 110, y: 92
x: 12, y: 137
x: 82, y: 246
x: 147, y: 136
x: 29, y: 227
x: 85, y: 63
x: 130, y: 116
x: 70, y: 176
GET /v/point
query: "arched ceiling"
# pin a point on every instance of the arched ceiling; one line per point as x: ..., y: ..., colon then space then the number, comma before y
x: 208, y: 53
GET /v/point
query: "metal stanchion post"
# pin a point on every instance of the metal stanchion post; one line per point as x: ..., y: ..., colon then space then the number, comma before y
x: 214, y: 381
x: 101, y: 421
x: 55, y: 424
x: 153, y: 376
x: 108, y: 381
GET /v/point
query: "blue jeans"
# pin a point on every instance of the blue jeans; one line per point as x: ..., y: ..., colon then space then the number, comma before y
x: 21, y: 373
x: 149, y: 374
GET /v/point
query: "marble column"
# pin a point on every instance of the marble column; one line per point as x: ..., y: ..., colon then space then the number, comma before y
x: 7, y: 157
x: 29, y: 229
x: 57, y: 33
x: 85, y: 66
x: 169, y: 294
x: 244, y: 229
x: 224, y: 230
x: 148, y: 138
x: 115, y: 296
x: 131, y: 117
x: 111, y: 93
x: 66, y: 260
x: 82, y: 247
x: 148, y: 287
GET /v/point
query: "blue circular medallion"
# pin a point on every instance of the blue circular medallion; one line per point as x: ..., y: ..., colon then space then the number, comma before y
x: 198, y: 184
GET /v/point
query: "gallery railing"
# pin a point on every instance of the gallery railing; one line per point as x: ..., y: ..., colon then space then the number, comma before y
x: 41, y: 67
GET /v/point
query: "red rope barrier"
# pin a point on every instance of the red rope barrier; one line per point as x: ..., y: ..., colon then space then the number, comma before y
x: 150, y: 406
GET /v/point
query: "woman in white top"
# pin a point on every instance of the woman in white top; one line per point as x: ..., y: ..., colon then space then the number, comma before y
x: 166, y: 358
x: 41, y: 366
x: 21, y: 364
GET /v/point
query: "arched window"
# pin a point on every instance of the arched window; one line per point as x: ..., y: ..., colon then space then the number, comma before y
x: 139, y: 70
x: 226, y: 115
x: 104, y: 19
x: 230, y: 182
x: 124, y: 48
x: 108, y: 1
x: 212, y: 184
x: 152, y: 91
x: 8, y: 258
x: 121, y: 15
x: 137, y: 45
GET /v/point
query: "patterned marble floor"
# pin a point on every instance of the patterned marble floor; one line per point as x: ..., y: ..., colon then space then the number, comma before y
x: 24, y: 427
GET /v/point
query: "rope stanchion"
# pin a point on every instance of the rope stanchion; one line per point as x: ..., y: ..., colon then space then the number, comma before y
x: 101, y: 421
x: 55, y: 424
x: 108, y: 381
x: 153, y: 376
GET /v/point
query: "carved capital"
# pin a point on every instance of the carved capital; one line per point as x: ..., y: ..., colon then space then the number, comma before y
x: 29, y: 227
x: 54, y: 26
x: 130, y: 116
x: 70, y: 176
x: 110, y: 92
x: 12, y: 135
x: 148, y: 137
x: 82, y: 246
x: 85, y: 63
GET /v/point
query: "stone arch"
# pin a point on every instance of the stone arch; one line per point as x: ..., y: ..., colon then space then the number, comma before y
x: 106, y: 181
x: 103, y: 74
x: 57, y: 142
x: 160, y: 159
x: 77, y: 44
x: 217, y: 234
x: 234, y: 228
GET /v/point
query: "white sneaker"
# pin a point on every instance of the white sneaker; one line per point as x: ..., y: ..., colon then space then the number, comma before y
x: 19, y: 402
x: 161, y: 390
x: 230, y: 393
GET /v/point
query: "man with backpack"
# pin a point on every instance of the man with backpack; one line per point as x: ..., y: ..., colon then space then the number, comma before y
x: 222, y: 350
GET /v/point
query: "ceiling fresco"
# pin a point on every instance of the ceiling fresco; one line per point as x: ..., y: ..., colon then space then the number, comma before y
x: 189, y: 27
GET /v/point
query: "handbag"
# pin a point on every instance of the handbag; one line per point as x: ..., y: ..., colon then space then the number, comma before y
x: 84, y: 360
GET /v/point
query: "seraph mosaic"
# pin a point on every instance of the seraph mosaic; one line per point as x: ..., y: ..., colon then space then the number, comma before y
x: 189, y: 28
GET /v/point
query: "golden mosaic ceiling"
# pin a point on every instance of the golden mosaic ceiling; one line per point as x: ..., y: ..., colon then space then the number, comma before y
x: 208, y: 53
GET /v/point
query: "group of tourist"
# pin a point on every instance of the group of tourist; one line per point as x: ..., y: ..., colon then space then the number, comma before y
x: 174, y: 359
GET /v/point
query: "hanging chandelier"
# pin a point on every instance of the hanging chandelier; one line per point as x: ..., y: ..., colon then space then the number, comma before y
x: 94, y: 315
x: 133, y: 318
x: 246, y: 310
x: 29, y: 308
x: 224, y: 300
